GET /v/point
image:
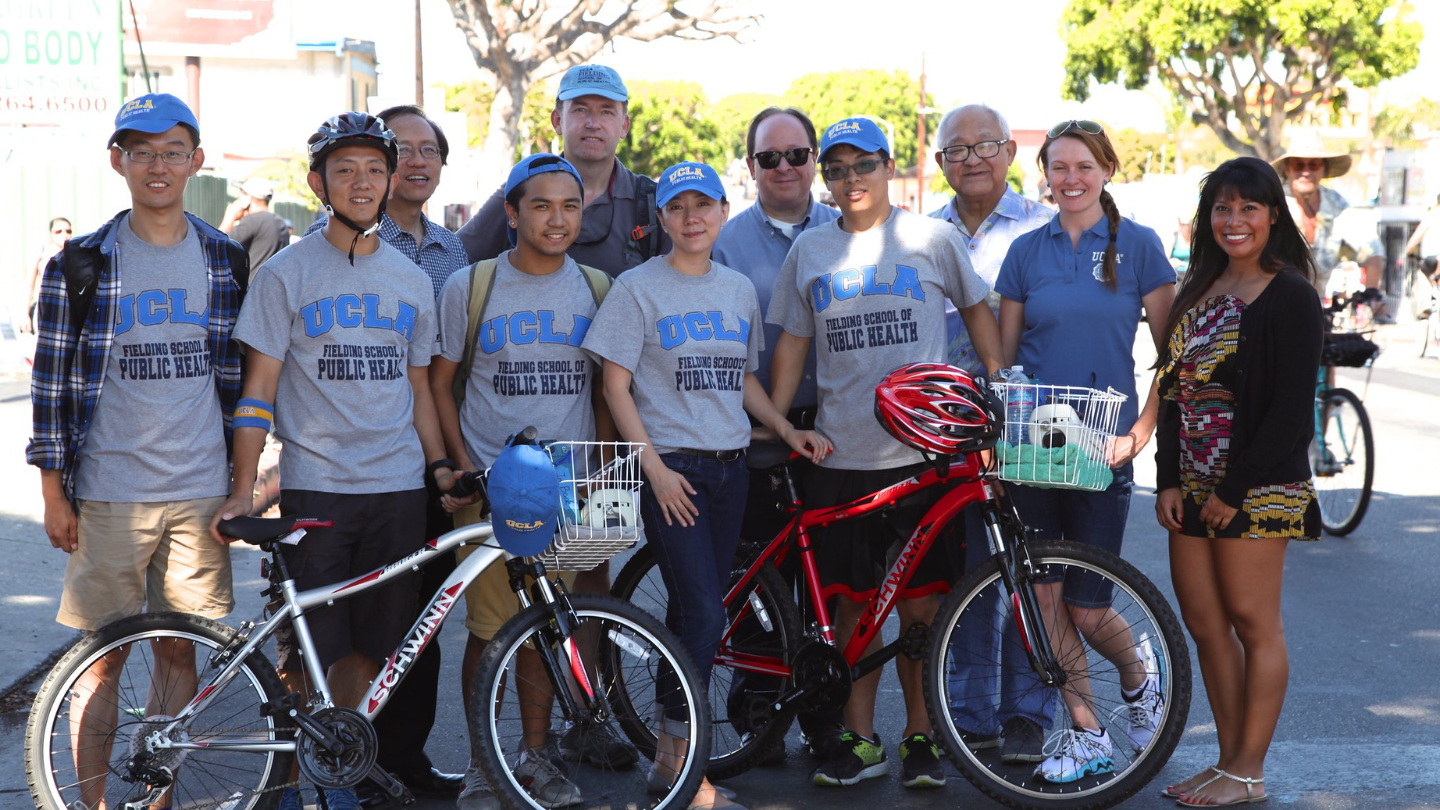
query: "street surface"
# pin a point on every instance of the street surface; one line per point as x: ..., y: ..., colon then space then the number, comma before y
x: 1361, y: 727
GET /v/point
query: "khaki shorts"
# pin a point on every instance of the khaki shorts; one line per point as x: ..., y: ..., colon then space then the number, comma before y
x: 134, y: 557
x: 489, y: 602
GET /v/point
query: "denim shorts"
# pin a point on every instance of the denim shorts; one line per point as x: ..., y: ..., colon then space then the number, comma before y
x: 1093, y: 518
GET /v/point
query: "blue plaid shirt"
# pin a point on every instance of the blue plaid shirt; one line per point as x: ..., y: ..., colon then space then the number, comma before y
x: 69, y: 369
x: 440, y: 254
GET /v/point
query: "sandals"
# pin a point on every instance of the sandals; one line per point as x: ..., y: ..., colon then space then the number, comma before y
x: 1170, y: 794
x: 1248, y: 782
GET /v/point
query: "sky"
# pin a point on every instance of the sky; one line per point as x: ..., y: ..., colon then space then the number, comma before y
x: 1006, y: 53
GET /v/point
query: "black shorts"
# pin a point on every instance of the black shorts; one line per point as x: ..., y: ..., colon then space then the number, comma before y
x: 854, y: 555
x: 370, y: 531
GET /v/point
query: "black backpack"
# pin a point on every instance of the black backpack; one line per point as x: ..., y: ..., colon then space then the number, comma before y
x: 646, y: 237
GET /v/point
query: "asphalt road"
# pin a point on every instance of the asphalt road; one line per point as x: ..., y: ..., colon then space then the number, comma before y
x: 1361, y: 726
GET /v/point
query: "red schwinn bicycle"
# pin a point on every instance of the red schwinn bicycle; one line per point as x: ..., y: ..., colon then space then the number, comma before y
x: 776, y: 658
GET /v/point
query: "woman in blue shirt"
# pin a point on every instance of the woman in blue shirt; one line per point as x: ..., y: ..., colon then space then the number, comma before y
x: 1072, y: 293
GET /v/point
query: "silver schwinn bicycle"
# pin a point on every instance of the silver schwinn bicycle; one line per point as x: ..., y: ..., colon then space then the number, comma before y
x: 173, y: 710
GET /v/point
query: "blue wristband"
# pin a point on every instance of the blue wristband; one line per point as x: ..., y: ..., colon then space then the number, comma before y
x: 255, y: 413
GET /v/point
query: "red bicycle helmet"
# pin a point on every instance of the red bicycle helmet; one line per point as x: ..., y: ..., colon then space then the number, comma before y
x: 936, y: 408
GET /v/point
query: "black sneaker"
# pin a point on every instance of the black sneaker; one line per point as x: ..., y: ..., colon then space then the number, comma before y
x: 821, y: 745
x: 920, y: 763
x: 1024, y: 741
x: 856, y: 758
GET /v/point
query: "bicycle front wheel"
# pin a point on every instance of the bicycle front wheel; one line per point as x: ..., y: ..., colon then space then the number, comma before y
x: 1342, y: 456
x: 1005, y: 729
x: 118, y: 687
x: 522, y: 740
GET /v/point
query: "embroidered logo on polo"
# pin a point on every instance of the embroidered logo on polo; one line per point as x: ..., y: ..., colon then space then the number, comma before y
x: 1098, y: 256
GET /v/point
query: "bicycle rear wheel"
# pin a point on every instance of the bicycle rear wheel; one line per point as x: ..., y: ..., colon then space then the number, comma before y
x: 979, y: 681
x: 153, y: 679
x: 1342, y: 456
x: 764, y: 622
x: 631, y: 647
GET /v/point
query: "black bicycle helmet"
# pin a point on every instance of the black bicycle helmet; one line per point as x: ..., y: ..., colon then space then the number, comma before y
x: 353, y: 129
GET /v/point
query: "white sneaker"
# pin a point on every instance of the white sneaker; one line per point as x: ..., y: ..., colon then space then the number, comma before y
x: 476, y: 795
x: 1073, y: 754
x: 544, y: 781
x: 1145, y: 710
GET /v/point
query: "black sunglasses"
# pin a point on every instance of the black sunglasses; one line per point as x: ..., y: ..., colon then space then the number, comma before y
x: 838, y: 172
x: 1084, y: 126
x: 795, y: 157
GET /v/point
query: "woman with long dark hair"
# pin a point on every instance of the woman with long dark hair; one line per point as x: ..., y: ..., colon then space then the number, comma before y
x: 1233, y: 467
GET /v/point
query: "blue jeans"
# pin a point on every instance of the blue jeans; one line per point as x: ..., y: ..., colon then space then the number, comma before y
x: 695, y: 561
x: 990, y: 676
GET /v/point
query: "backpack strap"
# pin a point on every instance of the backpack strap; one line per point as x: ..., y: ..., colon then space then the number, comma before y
x: 646, y: 234
x: 80, y: 266
x: 482, y: 281
x: 598, y: 280
x: 239, y: 266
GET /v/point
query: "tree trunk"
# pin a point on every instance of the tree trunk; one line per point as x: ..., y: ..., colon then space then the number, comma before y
x: 503, y: 134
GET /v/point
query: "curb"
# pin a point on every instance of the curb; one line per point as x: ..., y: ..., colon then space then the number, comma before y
x: 40, y: 668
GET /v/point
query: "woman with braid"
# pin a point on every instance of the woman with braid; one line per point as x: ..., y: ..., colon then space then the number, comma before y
x: 1072, y: 293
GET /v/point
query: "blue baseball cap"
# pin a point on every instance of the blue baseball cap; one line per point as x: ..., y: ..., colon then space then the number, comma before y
x: 861, y: 133
x: 153, y: 113
x: 524, y: 494
x: 592, y: 80
x: 539, y: 163
x: 686, y: 177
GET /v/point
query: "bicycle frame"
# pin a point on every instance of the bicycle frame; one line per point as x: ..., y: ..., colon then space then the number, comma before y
x: 297, y: 603
x: 967, y: 484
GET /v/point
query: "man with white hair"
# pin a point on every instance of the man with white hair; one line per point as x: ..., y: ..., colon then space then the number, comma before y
x: 249, y: 221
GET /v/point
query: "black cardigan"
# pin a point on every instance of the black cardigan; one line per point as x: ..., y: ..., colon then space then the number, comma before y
x: 1281, y: 334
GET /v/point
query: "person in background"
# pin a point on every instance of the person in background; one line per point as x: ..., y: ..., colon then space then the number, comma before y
x: 59, y: 231
x: 249, y: 221
x: 1233, y: 459
x: 1316, y: 207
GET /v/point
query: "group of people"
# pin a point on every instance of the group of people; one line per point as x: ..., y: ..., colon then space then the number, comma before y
x: 615, y: 306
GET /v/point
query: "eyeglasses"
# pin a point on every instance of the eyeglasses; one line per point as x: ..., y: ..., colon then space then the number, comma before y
x: 795, y: 157
x: 960, y: 152
x: 866, y: 166
x: 428, y: 151
x: 1084, y: 126
x: 1301, y: 164
x: 174, y: 157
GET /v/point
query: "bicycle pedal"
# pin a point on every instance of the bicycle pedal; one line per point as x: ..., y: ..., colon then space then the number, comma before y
x: 917, y: 640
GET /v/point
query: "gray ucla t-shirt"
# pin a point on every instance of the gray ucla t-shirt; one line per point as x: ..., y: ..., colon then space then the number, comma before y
x: 871, y: 302
x: 529, y: 368
x: 159, y: 364
x: 689, y: 341
x: 347, y: 335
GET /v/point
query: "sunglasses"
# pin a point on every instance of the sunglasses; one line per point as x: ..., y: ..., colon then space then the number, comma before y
x: 795, y: 157
x: 1084, y: 126
x: 836, y: 173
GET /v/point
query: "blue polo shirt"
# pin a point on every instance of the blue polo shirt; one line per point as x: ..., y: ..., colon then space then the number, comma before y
x: 752, y: 245
x: 1077, y: 331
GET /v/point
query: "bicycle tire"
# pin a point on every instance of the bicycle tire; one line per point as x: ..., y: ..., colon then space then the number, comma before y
x: 203, y: 778
x: 742, y: 734
x: 951, y: 660
x: 1344, y: 469
x: 632, y: 644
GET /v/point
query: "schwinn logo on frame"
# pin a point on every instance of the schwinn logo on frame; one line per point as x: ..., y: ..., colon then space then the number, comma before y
x: 411, y: 649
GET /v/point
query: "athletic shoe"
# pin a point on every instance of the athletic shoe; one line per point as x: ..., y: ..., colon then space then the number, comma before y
x: 1074, y: 754
x: 1145, y: 709
x: 856, y: 758
x: 821, y: 745
x: 290, y: 799
x: 537, y: 774
x: 977, y: 742
x: 597, y: 746
x: 920, y: 763
x: 476, y: 795
x: 1024, y: 741
x: 342, y: 799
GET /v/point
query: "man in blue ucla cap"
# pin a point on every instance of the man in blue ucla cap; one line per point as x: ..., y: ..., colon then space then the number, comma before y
x: 619, y: 229
x: 129, y: 497
x: 890, y: 272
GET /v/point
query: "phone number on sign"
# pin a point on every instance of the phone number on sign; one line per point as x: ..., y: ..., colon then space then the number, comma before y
x: 54, y: 103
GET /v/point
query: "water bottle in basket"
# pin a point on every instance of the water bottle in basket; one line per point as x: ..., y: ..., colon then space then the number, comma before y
x: 562, y: 456
x: 1021, y: 399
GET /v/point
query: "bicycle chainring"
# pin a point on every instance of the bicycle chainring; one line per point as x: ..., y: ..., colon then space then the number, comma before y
x: 823, y: 672
x: 331, y: 772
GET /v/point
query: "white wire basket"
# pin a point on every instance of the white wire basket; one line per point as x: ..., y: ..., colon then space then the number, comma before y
x: 599, y: 503
x: 1057, y: 436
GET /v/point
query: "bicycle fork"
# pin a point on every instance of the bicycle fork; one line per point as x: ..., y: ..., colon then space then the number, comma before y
x: 1017, y: 569
x: 573, y: 685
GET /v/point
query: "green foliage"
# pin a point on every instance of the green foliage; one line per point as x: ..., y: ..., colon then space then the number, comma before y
x: 893, y: 97
x: 732, y: 115
x: 288, y: 172
x: 669, y: 122
x: 1015, y: 177
x: 1228, y: 61
x: 1405, y: 126
x: 474, y: 99
x: 1140, y: 152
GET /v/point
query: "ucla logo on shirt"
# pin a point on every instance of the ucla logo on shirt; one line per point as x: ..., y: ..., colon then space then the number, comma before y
x: 356, y: 312
x: 676, y: 330
x: 1098, y: 256
x: 854, y: 281
x: 523, y: 328
x: 154, y: 307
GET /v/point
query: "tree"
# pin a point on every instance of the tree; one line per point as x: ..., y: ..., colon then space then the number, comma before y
x: 1406, y: 126
x: 668, y: 124
x: 524, y: 42
x: 1243, y: 67
x: 894, y: 97
x: 732, y: 116
x: 476, y: 98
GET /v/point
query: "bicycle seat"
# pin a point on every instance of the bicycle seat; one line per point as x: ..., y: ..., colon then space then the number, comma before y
x: 257, y: 530
x: 765, y: 455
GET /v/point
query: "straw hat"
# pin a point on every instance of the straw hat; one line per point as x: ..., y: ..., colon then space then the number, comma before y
x: 1307, y: 144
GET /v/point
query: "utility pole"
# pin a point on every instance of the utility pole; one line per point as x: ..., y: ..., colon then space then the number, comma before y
x: 921, y: 109
x: 419, y: 66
